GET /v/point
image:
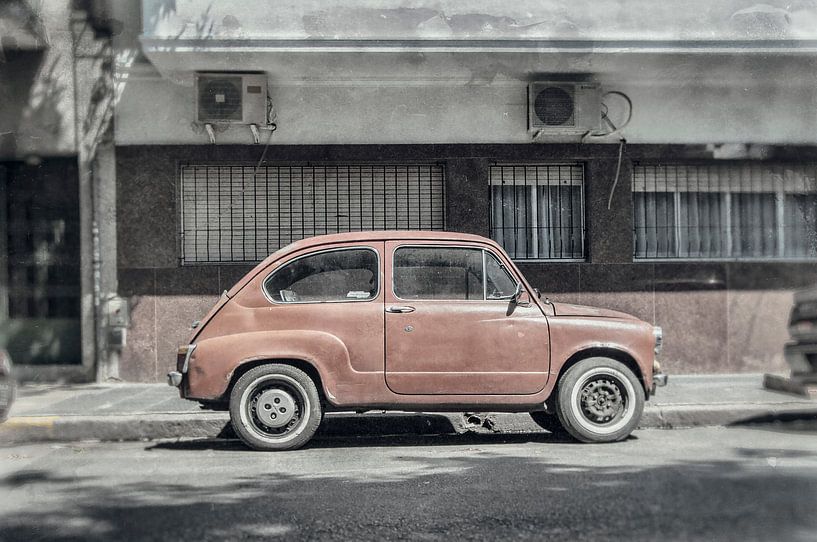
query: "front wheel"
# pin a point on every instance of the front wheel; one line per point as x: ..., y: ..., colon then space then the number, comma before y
x: 599, y: 400
x: 275, y: 407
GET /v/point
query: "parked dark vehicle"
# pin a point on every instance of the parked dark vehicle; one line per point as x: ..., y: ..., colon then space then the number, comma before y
x: 411, y: 321
x: 801, y: 353
x: 7, y: 385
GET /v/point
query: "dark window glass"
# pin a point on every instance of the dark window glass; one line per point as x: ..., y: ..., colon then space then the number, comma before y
x: 339, y: 275
x: 742, y: 211
x: 536, y: 210
x: 801, y: 225
x: 654, y: 224
x: 754, y: 225
x: 438, y: 273
x: 701, y: 224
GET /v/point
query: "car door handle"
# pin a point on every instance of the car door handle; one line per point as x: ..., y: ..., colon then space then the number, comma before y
x: 399, y: 309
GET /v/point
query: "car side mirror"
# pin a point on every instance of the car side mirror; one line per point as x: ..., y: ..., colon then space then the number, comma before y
x: 517, y: 293
x: 519, y: 296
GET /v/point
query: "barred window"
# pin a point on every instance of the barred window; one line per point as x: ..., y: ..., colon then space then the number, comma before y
x: 537, y: 210
x: 739, y: 211
x: 240, y: 213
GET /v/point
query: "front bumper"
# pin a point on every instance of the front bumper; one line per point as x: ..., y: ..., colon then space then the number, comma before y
x: 174, y: 378
x: 659, y: 378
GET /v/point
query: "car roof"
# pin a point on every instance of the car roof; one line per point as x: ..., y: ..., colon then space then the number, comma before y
x: 389, y: 235
x: 362, y: 236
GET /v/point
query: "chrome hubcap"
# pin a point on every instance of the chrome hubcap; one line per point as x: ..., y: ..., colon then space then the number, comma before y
x: 275, y: 408
x: 602, y: 400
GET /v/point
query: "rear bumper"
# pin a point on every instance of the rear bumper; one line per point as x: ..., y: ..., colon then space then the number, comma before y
x: 176, y: 378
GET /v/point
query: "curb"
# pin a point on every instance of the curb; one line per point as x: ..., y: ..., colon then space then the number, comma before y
x: 25, y: 429
x: 134, y: 427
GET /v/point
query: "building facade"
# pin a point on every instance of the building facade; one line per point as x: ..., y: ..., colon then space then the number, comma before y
x: 55, y: 136
x: 651, y: 159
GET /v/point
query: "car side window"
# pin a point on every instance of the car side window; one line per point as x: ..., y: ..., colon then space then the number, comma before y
x: 438, y: 273
x: 336, y: 275
x: 498, y: 282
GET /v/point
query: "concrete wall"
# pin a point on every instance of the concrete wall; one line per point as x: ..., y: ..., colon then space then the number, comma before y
x: 376, y: 98
x: 452, y: 72
x: 717, y: 316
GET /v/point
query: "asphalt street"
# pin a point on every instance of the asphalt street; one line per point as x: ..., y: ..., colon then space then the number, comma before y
x: 755, y: 482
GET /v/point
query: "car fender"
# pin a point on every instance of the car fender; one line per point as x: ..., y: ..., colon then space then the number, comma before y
x: 572, y: 336
x: 216, y: 359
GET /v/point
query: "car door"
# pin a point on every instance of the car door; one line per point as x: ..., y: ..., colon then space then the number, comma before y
x: 336, y: 291
x: 450, y: 331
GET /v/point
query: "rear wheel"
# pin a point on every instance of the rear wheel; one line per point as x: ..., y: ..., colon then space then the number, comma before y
x: 599, y: 400
x: 275, y: 407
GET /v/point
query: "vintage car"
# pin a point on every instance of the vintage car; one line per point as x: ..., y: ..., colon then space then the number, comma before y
x: 411, y: 321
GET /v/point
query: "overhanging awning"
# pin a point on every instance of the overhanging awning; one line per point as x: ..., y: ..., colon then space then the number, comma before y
x: 163, y: 45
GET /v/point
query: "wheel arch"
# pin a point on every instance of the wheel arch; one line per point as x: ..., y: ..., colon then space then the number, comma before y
x: 305, y: 366
x: 605, y: 352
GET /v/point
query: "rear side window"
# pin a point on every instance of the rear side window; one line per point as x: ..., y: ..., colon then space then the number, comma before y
x: 336, y: 275
x: 438, y: 273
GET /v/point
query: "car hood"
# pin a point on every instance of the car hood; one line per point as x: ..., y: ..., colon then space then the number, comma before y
x: 567, y: 309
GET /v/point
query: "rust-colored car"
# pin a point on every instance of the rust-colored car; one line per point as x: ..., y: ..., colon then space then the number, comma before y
x: 411, y: 321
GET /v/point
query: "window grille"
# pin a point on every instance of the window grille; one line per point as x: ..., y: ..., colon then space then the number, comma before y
x: 235, y: 214
x: 537, y: 210
x: 738, y: 211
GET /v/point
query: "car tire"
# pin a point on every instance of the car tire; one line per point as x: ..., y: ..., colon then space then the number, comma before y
x: 599, y: 400
x: 548, y: 421
x: 275, y: 407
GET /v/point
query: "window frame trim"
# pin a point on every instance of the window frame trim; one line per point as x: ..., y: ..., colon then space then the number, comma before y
x: 323, y: 251
x: 482, y: 249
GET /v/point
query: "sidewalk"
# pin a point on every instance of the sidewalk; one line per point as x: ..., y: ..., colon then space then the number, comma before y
x: 154, y: 411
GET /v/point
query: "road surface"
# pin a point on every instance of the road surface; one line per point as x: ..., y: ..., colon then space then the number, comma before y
x: 747, y: 483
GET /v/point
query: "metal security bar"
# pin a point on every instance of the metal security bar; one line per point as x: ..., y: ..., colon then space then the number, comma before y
x: 537, y: 210
x: 240, y: 213
x: 732, y: 210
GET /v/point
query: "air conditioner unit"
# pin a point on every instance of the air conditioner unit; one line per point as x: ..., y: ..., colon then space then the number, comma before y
x: 231, y: 98
x: 564, y: 108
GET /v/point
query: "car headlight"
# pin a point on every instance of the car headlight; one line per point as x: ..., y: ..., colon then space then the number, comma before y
x: 658, y: 334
